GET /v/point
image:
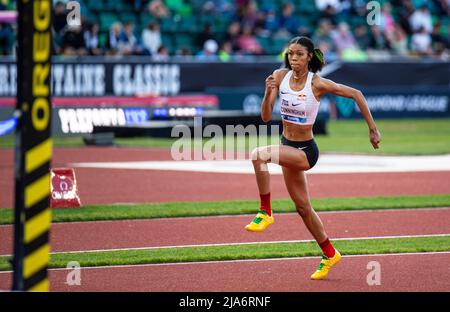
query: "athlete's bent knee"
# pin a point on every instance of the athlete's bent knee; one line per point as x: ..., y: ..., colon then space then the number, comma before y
x: 260, y: 154
x: 254, y: 154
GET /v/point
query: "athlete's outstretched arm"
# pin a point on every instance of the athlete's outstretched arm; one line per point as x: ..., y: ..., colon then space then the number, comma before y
x: 270, y: 95
x: 323, y: 86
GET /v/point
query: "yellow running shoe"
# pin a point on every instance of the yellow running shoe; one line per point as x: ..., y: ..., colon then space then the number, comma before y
x: 260, y: 222
x: 325, y: 266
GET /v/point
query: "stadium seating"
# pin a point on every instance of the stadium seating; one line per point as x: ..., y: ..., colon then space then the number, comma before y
x: 187, y: 19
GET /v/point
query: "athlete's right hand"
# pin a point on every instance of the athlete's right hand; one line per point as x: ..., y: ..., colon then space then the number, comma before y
x: 270, y: 84
x: 375, y: 138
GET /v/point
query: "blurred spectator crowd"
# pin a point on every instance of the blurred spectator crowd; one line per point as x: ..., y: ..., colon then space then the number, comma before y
x: 218, y: 30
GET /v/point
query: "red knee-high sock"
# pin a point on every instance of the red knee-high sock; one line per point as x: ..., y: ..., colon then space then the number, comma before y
x: 265, y: 203
x: 327, y: 248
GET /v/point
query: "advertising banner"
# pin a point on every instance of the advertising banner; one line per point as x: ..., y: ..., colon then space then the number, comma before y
x: 138, y: 76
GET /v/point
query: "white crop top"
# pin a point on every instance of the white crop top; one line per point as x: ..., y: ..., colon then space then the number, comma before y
x: 299, y: 107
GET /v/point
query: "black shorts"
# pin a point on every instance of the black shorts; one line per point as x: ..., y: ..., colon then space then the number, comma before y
x: 309, y: 147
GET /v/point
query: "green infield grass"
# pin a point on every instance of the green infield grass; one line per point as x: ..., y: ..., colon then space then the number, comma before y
x: 399, y: 137
x: 189, y: 209
x: 243, y: 251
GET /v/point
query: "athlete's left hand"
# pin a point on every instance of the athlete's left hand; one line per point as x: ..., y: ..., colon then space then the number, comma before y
x: 375, y: 137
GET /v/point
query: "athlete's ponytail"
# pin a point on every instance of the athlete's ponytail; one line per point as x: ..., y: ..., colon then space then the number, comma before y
x: 317, y: 60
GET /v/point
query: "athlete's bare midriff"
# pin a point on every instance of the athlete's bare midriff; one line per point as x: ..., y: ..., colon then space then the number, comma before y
x: 295, y: 132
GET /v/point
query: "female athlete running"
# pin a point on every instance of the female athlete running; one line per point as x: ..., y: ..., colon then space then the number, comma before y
x: 300, y: 90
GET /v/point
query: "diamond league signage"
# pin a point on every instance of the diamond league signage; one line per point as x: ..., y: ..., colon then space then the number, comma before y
x: 392, y: 89
x: 100, y: 76
x: 397, y: 105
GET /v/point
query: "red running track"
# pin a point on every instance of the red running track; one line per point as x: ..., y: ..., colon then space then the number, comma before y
x: 106, y: 186
x: 79, y: 236
x: 426, y: 272
x: 403, y: 272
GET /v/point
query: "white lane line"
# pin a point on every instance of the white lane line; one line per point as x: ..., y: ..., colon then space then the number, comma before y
x: 244, y: 260
x: 251, y: 243
x: 244, y: 243
x: 327, y: 163
x: 375, y: 210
